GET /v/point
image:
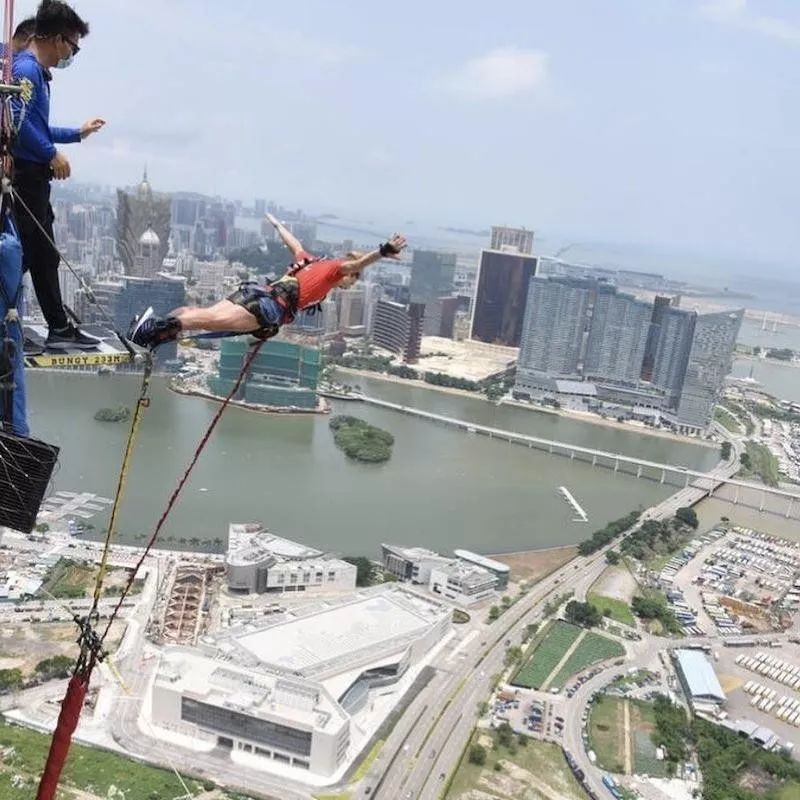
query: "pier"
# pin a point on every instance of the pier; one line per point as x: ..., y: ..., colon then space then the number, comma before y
x: 567, y: 495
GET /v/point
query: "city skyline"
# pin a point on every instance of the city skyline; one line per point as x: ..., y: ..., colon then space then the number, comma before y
x: 629, y: 125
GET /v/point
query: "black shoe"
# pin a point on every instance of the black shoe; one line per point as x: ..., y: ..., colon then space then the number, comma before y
x: 70, y: 338
x: 148, y: 330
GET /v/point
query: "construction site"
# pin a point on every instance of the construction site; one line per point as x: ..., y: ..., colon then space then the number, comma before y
x: 182, y: 611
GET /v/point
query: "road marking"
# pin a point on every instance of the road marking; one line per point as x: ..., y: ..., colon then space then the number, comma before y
x: 462, y: 644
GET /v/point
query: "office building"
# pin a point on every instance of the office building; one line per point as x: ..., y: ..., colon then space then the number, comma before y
x: 660, y: 306
x: 284, y: 374
x: 618, y: 333
x: 397, y: 327
x: 462, y: 583
x: 257, y: 561
x: 501, y: 294
x: 672, y: 352
x: 499, y: 570
x: 432, y: 275
x: 519, y: 239
x: 710, y: 361
x: 302, y: 692
x: 440, y: 317
x: 412, y: 564
x: 556, y: 315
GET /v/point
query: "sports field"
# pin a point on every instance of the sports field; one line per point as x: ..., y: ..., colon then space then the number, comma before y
x: 546, y: 655
x: 593, y: 649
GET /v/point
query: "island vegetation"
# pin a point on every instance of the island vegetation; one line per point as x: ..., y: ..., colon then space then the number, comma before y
x: 119, y: 414
x: 361, y: 441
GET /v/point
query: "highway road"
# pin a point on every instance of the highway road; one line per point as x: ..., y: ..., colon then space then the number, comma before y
x: 406, y: 775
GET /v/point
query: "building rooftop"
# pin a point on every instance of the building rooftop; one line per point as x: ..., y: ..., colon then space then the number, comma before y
x: 471, y: 360
x: 237, y: 688
x: 371, y: 622
x: 249, y: 543
x: 413, y: 553
x: 467, y: 574
x: 482, y: 561
x: 700, y: 676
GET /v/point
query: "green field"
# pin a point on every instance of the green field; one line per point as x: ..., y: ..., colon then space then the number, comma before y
x: 606, y: 733
x: 643, y: 723
x: 619, y: 609
x: 87, y: 769
x: 591, y: 650
x: 546, y: 655
x: 547, y: 772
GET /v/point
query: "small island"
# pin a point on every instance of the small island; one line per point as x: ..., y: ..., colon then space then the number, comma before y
x: 360, y: 440
x: 118, y: 414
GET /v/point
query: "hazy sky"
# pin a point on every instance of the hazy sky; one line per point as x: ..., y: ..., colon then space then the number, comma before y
x: 631, y: 120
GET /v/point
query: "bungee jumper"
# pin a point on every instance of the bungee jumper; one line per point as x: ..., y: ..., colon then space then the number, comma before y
x: 261, y: 311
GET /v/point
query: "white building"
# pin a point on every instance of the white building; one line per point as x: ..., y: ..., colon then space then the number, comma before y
x: 502, y: 571
x: 411, y: 563
x: 258, y: 561
x: 302, y: 693
x: 463, y: 583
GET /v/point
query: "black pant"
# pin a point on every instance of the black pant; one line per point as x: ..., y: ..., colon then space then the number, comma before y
x: 32, y: 184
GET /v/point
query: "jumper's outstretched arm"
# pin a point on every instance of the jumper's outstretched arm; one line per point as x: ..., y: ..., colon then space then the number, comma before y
x: 390, y: 249
x: 288, y: 238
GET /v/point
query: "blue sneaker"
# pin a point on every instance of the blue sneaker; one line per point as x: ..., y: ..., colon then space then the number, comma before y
x: 149, y: 331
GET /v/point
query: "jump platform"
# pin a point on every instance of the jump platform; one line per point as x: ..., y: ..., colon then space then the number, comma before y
x: 109, y: 352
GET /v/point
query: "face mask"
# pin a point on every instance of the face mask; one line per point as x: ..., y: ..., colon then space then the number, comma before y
x: 63, y: 63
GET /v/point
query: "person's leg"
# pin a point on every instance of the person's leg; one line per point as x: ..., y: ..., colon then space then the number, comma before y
x: 38, y: 256
x: 226, y: 316
x: 222, y: 316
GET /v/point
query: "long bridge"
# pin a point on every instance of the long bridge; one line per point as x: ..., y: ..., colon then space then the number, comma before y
x: 718, y: 482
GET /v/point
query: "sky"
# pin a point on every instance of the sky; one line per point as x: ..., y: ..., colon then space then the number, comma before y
x: 663, y: 122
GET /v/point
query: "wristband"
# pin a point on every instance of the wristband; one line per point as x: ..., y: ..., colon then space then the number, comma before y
x: 387, y: 249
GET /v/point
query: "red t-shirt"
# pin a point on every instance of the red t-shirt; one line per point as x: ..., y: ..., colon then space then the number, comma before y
x: 316, y: 280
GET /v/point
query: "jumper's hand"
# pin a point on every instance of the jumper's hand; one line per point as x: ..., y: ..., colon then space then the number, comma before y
x: 396, y: 244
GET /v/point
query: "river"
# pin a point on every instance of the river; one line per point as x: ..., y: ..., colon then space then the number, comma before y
x: 442, y: 488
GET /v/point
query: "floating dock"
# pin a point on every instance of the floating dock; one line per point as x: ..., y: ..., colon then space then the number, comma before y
x: 567, y: 495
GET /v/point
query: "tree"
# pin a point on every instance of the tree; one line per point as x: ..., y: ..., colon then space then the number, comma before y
x: 505, y: 735
x: 612, y: 557
x: 513, y: 655
x: 744, y: 460
x: 365, y: 570
x: 494, y: 613
x: 477, y: 755
x: 688, y: 516
x: 584, y: 614
x: 483, y: 708
x: 726, y: 451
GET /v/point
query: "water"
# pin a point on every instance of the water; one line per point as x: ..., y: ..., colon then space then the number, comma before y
x: 779, y: 380
x: 442, y: 488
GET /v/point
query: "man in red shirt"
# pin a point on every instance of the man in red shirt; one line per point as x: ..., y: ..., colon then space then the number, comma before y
x: 262, y: 310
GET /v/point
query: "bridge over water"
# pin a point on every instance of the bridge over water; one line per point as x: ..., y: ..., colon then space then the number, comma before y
x: 718, y: 482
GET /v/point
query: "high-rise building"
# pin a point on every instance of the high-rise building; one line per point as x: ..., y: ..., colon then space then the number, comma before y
x: 710, y: 361
x: 283, y: 375
x: 660, y: 306
x: 397, y: 327
x: 617, y: 337
x: 136, y: 213
x: 672, y: 353
x: 500, y: 297
x: 440, y: 316
x: 555, y: 320
x: 432, y: 275
x: 519, y: 239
